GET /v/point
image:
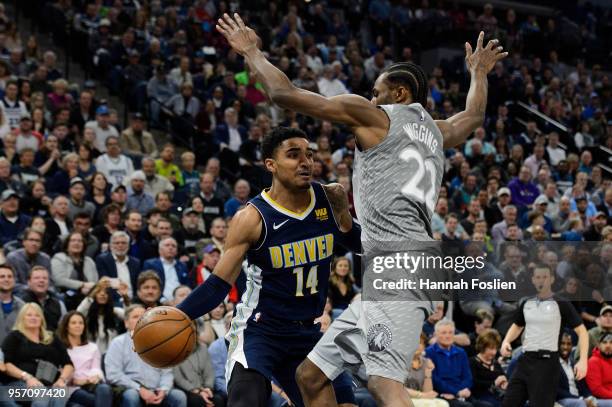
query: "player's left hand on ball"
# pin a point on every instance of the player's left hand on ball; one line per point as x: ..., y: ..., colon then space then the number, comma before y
x: 580, y: 370
x: 483, y: 58
x: 240, y: 37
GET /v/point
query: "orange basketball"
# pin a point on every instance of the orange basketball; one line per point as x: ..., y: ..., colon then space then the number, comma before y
x: 164, y: 336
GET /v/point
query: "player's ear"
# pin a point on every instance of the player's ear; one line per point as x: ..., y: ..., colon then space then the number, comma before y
x: 401, y: 94
x: 270, y: 164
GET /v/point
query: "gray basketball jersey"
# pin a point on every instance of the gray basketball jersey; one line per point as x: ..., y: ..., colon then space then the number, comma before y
x: 396, y: 182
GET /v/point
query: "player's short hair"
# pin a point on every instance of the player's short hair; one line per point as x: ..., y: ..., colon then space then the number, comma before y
x: 488, y: 339
x: 411, y: 76
x: 276, y: 137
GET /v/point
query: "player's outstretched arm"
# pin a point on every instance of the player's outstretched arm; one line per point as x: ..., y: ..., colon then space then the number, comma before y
x: 352, y: 110
x: 244, y: 231
x: 457, y: 128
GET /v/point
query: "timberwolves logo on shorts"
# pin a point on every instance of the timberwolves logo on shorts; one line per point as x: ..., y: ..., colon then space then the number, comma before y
x: 379, y: 337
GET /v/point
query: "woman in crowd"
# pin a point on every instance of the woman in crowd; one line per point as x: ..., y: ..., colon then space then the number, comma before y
x: 88, y: 377
x: 48, y: 157
x: 418, y: 384
x: 36, y: 202
x: 111, y: 218
x: 39, y: 121
x: 490, y: 382
x: 60, y: 182
x: 25, y: 91
x: 214, y: 325
x: 341, y: 288
x: 34, y: 356
x: 86, y: 168
x: 60, y: 97
x: 73, y: 272
x: 102, y: 317
x: 98, y: 194
x: 198, y: 206
x: 9, y: 150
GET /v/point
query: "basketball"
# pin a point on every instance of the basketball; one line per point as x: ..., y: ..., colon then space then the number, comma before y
x: 164, y: 337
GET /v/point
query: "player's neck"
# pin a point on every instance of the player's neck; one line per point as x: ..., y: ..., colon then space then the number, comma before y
x: 295, y: 200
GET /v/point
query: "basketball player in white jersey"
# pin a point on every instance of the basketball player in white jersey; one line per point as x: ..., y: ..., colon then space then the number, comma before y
x: 397, y: 174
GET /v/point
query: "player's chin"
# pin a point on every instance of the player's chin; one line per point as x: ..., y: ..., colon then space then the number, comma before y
x: 303, y: 180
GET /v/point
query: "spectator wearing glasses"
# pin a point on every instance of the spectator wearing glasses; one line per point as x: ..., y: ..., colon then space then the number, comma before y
x: 22, y: 260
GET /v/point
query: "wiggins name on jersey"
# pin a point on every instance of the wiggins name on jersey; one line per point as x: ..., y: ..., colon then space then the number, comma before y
x: 288, y: 272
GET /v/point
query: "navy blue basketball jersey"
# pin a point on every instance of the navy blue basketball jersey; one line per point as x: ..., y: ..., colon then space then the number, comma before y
x: 288, y: 271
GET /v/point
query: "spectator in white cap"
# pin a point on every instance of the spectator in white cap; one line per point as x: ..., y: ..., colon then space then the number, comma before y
x: 494, y: 211
x: 137, y: 198
x: 540, y: 206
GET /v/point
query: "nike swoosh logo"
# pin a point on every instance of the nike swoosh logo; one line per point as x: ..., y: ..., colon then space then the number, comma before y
x: 275, y: 226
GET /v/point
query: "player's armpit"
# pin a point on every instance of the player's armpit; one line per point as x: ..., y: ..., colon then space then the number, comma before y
x: 369, y: 123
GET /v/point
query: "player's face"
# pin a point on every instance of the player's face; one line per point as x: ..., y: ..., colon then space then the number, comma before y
x: 293, y: 163
x: 381, y: 94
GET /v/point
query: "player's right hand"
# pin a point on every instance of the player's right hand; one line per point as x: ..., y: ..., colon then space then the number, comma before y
x: 241, y: 38
x: 483, y: 58
x: 506, y: 349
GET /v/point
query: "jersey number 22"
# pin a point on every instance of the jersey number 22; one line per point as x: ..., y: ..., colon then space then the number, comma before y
x: 424, y: 168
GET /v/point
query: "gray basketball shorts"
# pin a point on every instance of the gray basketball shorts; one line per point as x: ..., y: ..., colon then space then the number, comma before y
x: 383, y: 335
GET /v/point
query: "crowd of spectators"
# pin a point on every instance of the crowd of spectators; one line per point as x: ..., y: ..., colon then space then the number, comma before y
x: 98, y: 220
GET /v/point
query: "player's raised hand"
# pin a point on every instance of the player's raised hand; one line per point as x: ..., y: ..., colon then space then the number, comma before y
x: 483, y: 58
x: 241, y: 38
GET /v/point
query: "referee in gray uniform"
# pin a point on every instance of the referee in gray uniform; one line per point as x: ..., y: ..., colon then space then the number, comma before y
x: 537, y: 372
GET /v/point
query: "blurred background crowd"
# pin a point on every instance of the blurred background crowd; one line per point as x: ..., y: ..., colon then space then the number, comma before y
x: 130, y: 135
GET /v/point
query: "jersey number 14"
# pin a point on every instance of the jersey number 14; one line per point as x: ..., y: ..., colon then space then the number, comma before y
x: 312, y: 280
x: 412, y: 188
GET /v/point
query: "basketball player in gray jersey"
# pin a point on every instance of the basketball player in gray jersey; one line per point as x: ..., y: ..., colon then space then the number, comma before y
x: 397, y: 173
